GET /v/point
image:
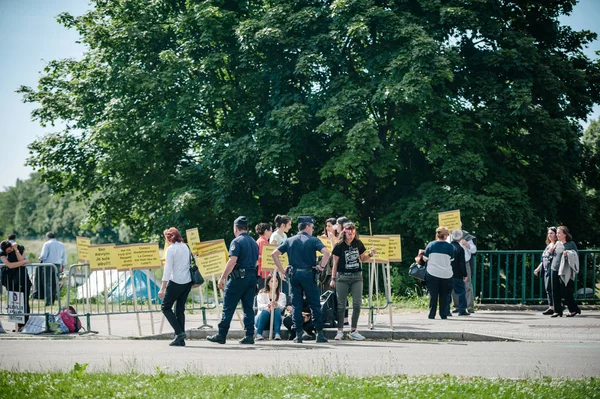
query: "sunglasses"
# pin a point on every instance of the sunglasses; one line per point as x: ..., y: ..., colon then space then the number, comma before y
x: 348, y: 230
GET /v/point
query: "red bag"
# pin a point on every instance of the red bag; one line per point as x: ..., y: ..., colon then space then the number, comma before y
x: 71, y: 321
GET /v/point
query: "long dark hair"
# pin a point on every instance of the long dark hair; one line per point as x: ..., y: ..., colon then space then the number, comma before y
x: 267, y: 288
x: 342, y: 236
x: 332, y: 221
x: 554, y: 230
x: 565, y: 230
x: 282, y: 219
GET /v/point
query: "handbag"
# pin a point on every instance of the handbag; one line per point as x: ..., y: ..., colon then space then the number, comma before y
x: 417, y: 271
x: 197, y: 279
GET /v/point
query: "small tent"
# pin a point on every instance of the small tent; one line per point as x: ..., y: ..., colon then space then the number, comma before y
x: 119, y: 285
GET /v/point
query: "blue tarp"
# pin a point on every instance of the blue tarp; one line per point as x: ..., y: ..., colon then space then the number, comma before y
x: 123, y: 289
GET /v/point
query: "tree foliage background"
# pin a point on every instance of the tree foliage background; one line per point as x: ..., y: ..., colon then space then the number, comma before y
x: 189, y: 113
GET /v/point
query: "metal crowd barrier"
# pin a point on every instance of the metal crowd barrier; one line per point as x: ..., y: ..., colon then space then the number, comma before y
x: 507, y: 277
x: 32, y: 290
x: 107, y: 292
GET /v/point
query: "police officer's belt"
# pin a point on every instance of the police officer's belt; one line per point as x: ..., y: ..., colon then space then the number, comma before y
x: 296, y: 270
x: 242, y: 273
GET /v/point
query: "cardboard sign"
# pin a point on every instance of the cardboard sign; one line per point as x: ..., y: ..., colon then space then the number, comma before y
x: 124, y: 257
x: 450, y: 219
x: 211, y: 264
x: 16, y: 304
x: 193, y: 240
x: 327, y: 243
x: 395, y: 248
x: 83, y: 251
x: 382, y: 247
x: 208, y: 247
x: 146, y: 256
x: 102, y: 257
x: 268, y: 264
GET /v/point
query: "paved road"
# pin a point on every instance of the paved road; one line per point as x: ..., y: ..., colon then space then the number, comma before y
x: 487, y: 359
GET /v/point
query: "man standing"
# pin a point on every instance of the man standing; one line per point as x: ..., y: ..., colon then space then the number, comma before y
x: 301, y: 250
x: 468, y: 244
x: 241, y: 285
x: 54, y: 252
x: 459, y: 276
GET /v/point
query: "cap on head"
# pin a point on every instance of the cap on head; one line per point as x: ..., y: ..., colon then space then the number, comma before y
x: 241, y: 221
x: 306, y: 219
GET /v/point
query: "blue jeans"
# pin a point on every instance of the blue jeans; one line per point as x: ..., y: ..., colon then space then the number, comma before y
x: 263, y: 318
x: 305, y: 282
x: 237, y: 289
x: 458, y: 286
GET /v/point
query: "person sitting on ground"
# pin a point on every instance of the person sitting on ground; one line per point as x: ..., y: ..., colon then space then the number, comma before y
x: 270, y: 300
x: 307, y: 325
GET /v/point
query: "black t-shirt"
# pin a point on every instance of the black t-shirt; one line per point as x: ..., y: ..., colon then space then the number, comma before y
x: 16, y: 279
x: 349, y: 256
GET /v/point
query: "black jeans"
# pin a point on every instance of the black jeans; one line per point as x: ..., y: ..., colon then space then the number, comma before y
x: 438, y: 288
x: 176, y: 293
x: 560, y: 291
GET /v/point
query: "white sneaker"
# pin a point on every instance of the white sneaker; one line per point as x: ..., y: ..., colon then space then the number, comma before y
x: 277, y: 337
x: 339, y: 336
x: 355, y: 335
x: 259, y: 337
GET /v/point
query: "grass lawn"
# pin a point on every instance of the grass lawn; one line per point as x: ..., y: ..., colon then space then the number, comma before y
x: 79, y: 384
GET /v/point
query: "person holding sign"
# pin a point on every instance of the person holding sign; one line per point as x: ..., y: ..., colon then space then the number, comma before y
x: 14, y: 276
x: 283, y: 224
x: 329, y: 234
x: 176, y: 283
x: 240, y: 274
x: 439, y: 255
x: 264, y: 230
x: 346, y: 277
x: 301, y: 250
x: 270, y: 299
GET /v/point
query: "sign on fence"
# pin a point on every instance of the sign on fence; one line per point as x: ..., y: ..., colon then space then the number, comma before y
x: 16, y: 305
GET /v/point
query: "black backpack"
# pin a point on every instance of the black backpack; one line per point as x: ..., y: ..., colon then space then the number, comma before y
x: 329, y: 309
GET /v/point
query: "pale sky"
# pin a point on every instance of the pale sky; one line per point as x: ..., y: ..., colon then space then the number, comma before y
x: 31, y: 38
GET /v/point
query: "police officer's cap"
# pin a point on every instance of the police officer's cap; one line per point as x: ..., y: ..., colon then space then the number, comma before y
x: 306, y: 219
x: 240, y: 221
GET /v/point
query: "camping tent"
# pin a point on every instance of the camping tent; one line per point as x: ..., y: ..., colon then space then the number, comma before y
x: 119, y: 285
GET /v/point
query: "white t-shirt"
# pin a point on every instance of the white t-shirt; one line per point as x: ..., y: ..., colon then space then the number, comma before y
x: 177, y: 264
x: 262, y: 300
x: 280, y: 238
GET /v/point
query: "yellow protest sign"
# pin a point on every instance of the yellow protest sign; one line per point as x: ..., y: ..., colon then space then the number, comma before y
x: 207, y: 247
x: 395, y: 248
x: 193, y: 240
x: 327, y: 243
x: 268, y: 264
x: 382, y: 247
x: 211, y: 263
x: 83, y: 245
x: 102, y: 257
x: 124, y: 257
x: 450, y: 219
x: 146, y: 256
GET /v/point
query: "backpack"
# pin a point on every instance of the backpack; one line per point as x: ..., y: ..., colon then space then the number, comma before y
x: 71, y: 321
x: 329, y: 309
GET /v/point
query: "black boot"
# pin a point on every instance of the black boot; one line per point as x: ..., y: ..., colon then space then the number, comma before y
x: 179, y: 340
x: 321, y: 336
x: 218, y: 338
x: 298, y: 338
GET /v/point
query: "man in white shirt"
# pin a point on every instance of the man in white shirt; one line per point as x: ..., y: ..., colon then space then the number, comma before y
x: 470, y: 248
x: 54, y: 252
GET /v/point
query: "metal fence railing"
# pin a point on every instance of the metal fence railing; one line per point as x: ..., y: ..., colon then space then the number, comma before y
x: 507, y: 277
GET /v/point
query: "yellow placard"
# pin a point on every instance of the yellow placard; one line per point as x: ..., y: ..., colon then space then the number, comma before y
x: 327, y: 243
x: 381, y: 244
x: 268, y: 264
x: 102, y: 257
x: 83, y: 252
x: 395, y: 247
x: 193, y: 240
x: 207, y: 247
x: 146, y: 256
x: 211, y: 264
x: 124, y: 257
x: 450, y: 219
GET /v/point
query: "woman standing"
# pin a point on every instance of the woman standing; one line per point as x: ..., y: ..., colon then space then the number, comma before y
x: 270, y: 299
x: 264, y: 231
x: 346, y: 277
x: 176, y: 284
x: 329, y: 233
x: 17, y: 278
x: 439, y: 255
x: 283, y: 223
x: 560, y: 288
x: 544, y: 267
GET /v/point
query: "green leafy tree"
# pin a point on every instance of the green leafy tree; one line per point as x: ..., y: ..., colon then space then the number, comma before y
x: 189, y: 113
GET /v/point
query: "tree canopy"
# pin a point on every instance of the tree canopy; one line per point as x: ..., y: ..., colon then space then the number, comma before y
x: 189, y: 113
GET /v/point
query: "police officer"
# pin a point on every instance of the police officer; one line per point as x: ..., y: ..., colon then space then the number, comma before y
x: 241, y: 285
x: 301, y: 250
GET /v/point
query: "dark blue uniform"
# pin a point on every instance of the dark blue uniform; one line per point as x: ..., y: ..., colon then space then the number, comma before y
x: 241, y: 284
x: 302, y: 256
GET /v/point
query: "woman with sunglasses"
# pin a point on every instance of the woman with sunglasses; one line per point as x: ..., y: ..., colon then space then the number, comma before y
x: 346, y: 276
x: 544, y: 267
x: 560, y: 288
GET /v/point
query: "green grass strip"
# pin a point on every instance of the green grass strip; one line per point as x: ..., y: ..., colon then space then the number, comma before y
x: 79, y: 384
